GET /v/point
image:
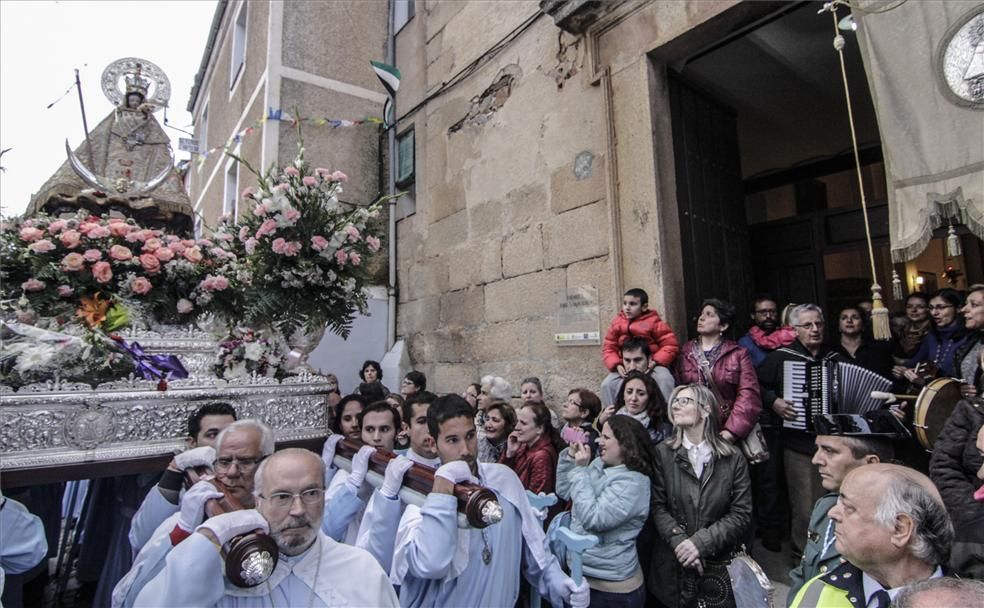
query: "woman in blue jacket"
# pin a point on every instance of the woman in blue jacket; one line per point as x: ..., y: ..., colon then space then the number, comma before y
x: 610, y: 499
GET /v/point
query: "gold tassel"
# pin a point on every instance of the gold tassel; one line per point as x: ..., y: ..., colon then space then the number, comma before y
x: 880, y: 325
x: 952, y: 243
x: 897, y: 287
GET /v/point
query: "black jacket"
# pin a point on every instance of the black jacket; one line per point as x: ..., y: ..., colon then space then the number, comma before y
x: 714, y: 512
x: 953, y: 468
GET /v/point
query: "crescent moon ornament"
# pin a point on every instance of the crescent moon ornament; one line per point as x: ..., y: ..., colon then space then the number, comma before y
x: 121, y: 186
x: 136, y: 75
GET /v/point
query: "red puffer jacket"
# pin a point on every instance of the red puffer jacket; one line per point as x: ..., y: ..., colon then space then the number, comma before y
x: 649, y: 326
x: 536, y: 465
x: 734, y: 375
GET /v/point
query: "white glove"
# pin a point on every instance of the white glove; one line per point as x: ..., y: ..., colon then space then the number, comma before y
x: 360, y: 466
x: 229, y: 525
x: 456, y: 472
x: 193, y: 504
x: 579, y: 596
x: 328, y: 452
x: 393, y: 480
x: 197, y: 457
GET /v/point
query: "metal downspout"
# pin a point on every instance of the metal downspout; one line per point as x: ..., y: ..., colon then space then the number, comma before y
x: 391, y: 189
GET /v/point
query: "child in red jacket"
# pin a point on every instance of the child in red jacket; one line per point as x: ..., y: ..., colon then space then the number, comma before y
x: 636, y: 320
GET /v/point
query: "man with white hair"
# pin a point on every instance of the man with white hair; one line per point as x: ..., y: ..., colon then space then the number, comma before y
x: 313, y: 570
x: 893, y: 530
x: 936, y: 592
x: 240, y: 449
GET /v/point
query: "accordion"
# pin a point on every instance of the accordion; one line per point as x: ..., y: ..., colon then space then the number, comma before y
x: 829, y: 387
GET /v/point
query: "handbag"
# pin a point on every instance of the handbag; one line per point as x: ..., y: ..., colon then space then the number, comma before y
x: 753, y: 446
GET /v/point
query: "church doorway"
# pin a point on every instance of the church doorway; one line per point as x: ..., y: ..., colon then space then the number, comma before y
x: 766, y: 186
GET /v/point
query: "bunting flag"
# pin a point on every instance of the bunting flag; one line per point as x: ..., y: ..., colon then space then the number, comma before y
x: 390, y: 77
x: 284, y: 116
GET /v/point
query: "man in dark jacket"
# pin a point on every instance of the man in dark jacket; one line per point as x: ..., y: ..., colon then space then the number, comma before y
x: 956, y: 469
x: 797, y: 445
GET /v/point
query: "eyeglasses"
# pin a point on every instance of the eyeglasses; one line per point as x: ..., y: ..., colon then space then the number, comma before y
x: 283, y: 500
x: 244, y: 464
x: 939, y: 307
x: 684, y: 400
x: 813, y: 325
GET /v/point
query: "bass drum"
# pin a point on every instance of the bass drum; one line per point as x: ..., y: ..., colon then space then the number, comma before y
x: 933, y: 407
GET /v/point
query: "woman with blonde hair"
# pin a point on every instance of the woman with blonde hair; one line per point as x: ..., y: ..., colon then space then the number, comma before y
x: 701, y: 505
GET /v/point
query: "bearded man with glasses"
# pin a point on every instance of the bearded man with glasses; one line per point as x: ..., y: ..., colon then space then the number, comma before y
x: 796, y: 447
x: 313, y: 569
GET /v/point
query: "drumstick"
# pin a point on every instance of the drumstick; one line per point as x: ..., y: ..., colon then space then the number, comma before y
x: 891, y: 397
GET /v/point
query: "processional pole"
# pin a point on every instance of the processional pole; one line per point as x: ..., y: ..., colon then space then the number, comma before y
x: 85, y: 124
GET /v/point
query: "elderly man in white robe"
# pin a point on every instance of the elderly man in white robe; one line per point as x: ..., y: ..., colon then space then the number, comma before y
x: 436, y: 564
x: 313, y: 570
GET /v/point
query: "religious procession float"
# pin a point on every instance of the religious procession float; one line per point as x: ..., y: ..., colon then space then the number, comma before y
x: 117, y: 322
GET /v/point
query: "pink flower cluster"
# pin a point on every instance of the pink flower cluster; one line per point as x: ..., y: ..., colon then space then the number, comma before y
x: 214, y: 283
x: 288, y: 248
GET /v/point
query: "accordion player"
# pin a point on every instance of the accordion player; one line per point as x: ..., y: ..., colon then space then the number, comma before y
x: 829, y: 387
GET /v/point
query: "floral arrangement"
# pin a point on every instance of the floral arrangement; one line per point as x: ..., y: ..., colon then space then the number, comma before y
x: 31, y: 354
x: 244, y: 352
x: 297, y: 256
x: 52, y: 264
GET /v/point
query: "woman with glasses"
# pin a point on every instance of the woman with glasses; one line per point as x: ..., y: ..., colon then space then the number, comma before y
x: 935, y: 355
x: 720, y: 364
x: 701, y: 505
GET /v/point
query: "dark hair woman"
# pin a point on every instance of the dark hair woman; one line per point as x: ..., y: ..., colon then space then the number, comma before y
x: 725, y: 367
x: 873, y: 355
x: 640, y: 398
x: 500, y: 421
x: 531, y: 449
x: 914, y: 327
x: 610, y: 498
x: 346, y: 420
x: 941, y: 343
x: 372, y: 374
x: 701, y: 503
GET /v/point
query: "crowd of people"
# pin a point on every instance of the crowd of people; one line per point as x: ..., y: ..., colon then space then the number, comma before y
x: 682, y: 457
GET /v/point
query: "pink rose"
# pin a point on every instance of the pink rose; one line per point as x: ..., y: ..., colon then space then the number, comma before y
x: 278, y: 245
x: 57, y: 226
x: 30, y: 233
x: 73, y: 262
x: 120, y: 228
x: 291, y: 171
x: 318, y: 242
x: 338, y: 176
x: 352, y: 232
x: 86, y: 226
x: 92, y: 255
x: 150, y: 263
x: 249, y: 192
x: 309, y: 181
x: 184, y: 306
x: 250, y: 245
x: 64, y: 291
x: 292, y: 248
x: 292, y: 215
x: 70, y: 239
x: 373, y: 243
x: 152, y: 244
x: 193, y: 254
x: 32, y: 285
x: 267, y: 227
x: 120, y: 253
x: 341, y: 257
x: 101, y: 271
x: 164, y: 254
x: 140, y: 286
x: 176, y: 247
x: 214, y: 283
x: 42, y: 246
x: 98, y: 232
x: 355, y: 258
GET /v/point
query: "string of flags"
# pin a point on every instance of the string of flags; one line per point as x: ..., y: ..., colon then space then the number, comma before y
x: 284, y: 116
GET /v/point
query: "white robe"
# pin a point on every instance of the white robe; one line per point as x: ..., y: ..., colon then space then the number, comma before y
x: 327, y: 574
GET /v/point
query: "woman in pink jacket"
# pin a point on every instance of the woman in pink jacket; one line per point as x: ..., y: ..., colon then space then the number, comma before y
x: 723, y: 366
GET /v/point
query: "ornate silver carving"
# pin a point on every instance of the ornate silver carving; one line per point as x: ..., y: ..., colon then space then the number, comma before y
x: 257, y: 567
x: 960, y: 60
x: 87, y: 428
x: 491, y: 513
x: 136, y: 73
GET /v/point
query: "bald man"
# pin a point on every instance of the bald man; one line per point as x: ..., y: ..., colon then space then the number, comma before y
x: 893, y: 530
x: 313, y: 570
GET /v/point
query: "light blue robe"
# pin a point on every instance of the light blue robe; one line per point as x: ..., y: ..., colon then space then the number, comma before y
x: 327, y: 574
x: 153, y: 510
x: 22, y: 539
x: 439, y: 565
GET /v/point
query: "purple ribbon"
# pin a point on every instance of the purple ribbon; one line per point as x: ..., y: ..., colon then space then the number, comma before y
x: 152, y: 367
